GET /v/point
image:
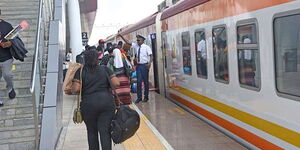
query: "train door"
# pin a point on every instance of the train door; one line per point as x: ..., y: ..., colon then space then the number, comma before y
x: 155, y: 63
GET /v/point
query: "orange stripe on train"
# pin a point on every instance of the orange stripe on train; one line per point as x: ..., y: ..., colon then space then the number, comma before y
x: 242, y: 133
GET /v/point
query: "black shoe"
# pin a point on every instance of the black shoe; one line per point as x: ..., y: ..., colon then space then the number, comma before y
x: 145, y: 99
x: 138, y: 100
x: 1, y: 103
x: 12, y: 94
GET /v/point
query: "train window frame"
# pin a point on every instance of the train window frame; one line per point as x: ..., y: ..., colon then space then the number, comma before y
x: 226, y: 29
x: 190, y: 53
x: 252, y: 46
x: 276, y: 16
x: 195, y: 50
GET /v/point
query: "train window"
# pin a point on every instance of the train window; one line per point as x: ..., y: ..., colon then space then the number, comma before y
x: 220, y: 53
x: 248, y: 55
x: 186, y: 53
x: 287, y: 54
x: 201, y: 54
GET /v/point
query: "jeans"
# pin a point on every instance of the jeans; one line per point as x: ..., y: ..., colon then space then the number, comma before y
x: 142, y: 73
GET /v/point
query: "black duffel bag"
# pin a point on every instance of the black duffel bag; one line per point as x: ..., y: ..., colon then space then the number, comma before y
x: 124, y: 125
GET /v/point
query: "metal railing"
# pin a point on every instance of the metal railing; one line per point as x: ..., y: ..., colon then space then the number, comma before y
x: 36, y: 89
x: 36, y: 53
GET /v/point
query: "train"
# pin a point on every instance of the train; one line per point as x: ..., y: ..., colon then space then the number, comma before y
x: 232, y: 63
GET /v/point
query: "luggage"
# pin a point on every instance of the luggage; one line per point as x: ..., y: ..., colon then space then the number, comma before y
x: 73, y: 67
x: 124, y: 125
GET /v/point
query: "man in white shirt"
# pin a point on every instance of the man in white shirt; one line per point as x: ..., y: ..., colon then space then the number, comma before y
x: 202, y: 48
x: 201, y: 56
x: 143, y: 58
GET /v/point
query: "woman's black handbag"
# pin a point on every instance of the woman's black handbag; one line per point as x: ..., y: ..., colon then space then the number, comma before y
x: 124, y: 125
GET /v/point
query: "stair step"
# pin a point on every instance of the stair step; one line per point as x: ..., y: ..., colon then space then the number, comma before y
x: 28, y: 145
x: 16, y: 109
x: 8, y: 6
x: 31, y: 37
x: 18, y: 8
x: 32, y: 12
x: 31, y: 34
x: 20, y: 74
x: 16, y: 87
x: 16, y: 117
x: 18, y: 83
x: 16, y: 128
x: 20, y: 91
x: 18, y: 100
x: 30, y: 29
x: 28, y: 39
x: 17, y: 140
x: 15, y: 3
x: 16, y: 120
x: 17, y: 132
x: 21, y: 16
x: 14, y: 22
x: 28, y: 59
x: 23, y: 65
x: 29, y: 45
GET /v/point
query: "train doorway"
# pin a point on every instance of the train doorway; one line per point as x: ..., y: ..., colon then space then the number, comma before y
x: 155, y: 64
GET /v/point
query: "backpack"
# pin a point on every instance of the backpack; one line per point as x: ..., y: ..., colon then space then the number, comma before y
x: 124, y: 125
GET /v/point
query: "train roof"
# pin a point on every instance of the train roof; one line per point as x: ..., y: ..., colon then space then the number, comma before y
x: 139, y: 25
x: 180, y: 7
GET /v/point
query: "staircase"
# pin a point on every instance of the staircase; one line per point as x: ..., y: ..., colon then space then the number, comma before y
x: 17, y: 128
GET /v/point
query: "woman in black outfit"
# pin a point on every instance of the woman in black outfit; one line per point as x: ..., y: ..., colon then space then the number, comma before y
x: 97, y: 105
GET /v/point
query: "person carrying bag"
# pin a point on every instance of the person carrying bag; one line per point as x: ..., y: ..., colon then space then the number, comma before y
x: 125, y: 123
x: 97, y: 104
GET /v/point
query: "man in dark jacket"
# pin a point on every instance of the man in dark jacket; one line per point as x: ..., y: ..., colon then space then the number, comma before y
x: 6, y: 59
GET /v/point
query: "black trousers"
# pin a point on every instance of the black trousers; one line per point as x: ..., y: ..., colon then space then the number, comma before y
x: 97, y: 112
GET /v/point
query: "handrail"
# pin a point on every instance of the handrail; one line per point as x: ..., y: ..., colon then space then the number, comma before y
x: 33, y: 74
x: 36, y: 53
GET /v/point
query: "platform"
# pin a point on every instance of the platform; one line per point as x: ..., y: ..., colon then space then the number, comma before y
x: 164, y: 125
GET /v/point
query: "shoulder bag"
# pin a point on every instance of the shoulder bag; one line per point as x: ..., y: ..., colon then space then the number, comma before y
x: 77, y: 116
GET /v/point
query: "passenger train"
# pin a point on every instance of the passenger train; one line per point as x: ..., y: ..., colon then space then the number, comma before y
x: 232, y: 63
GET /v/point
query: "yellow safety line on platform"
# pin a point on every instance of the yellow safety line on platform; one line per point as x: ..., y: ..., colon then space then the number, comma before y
x: 144, y: 139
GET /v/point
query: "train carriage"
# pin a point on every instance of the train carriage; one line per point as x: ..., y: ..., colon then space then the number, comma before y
x: 233, y: 63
